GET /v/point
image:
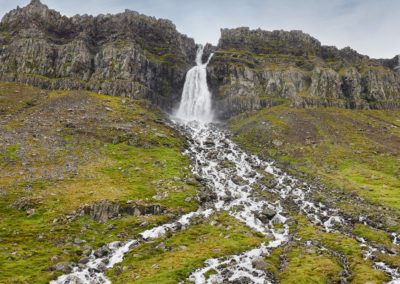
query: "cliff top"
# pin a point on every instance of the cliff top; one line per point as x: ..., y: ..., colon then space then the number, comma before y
x: 126, y: 25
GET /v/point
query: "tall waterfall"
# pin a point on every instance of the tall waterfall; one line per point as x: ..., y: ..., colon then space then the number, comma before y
x: 196, y: 97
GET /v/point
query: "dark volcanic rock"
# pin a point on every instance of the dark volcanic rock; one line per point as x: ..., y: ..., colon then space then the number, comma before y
x: 128, y: 54
x: 255, y: 69
x: 64, y: 267
x: 103, y: 211
x: 106, y: 210
x: 141, y: 57
x: 265, y: 215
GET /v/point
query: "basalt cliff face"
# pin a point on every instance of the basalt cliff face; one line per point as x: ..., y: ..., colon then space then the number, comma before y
x: 127, y: 55
x: 253, y: 69
x: 141, y: 57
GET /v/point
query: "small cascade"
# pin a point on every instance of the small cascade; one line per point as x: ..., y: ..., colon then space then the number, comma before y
x: 196, y: 97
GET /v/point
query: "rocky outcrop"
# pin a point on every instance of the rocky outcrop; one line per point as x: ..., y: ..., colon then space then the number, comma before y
x: 105, y: 210
x: 254, y: 69
x: 128, y: 54
x: 64, y: 267
x: 141, y: 57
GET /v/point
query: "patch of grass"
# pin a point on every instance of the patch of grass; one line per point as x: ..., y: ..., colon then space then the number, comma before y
x: 372, y: 235
x: 10, y: 155
x: 351, y: 149
x: 308, y: 267
x: 209, y: 273
x: 361, y: 270
x: 185, y: 251
x: 72, y: 148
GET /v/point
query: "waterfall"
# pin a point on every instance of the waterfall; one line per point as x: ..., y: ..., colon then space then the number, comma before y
x: 196, y: 97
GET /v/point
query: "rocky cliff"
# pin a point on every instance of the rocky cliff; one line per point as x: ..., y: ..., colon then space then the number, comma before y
x: 136, y: 56
x: 128, y: 54
x: 253, y: 69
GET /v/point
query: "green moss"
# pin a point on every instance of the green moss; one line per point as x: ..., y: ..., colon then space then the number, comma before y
x: 342, y: 147
x: 10, y: 155
x: 103, y: 171
x: 361, y: 270
x: 188, y: 250
x: 307, y: 267
x: 209, y: 273
x: 371, y: 235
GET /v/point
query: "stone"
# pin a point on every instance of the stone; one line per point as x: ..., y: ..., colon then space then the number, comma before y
x: 277, y: 143
x: 265, y: 215
x: 64, y: 267
x: 30, y: 212
x: 118, y: 270
x: 87, y: 252
x: 101, y: 267
x: 103, y: 211
x: 259, y: 264
x: 366, y: 188
x: 54, y: 258
x: 101, y: 252
x: 110, y: 227
x: 78, y: 241
x: 84, y: 260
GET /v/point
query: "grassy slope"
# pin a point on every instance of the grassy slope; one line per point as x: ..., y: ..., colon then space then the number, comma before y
x: 173, y: 263
x: 64, y: 142
x: 351, y: 149
x: 58, y: 151
x: 355, y: 151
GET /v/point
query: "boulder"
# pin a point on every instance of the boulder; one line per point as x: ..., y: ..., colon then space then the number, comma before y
x: 103, y: 211
x: 64, y: 267
x: 265, y: 215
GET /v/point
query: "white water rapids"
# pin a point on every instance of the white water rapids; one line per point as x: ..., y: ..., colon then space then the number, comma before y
x: 234, y: 189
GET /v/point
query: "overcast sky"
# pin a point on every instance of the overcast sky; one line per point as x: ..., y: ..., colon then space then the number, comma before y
x: 371, y: 27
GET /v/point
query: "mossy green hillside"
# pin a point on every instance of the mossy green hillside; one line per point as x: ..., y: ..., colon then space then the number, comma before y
x: 320, y: 261
x: 61, y: 150
x: 172, y: 258
x: 357, y: 150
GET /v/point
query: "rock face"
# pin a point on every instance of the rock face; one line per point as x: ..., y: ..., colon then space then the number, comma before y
x: 141, y: 57
x: 128, y: 54
x: 64, y: 267
x: 254, y: 69
x: 105, y: 210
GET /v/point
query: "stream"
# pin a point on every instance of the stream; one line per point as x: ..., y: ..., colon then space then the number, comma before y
x: 234, y: 180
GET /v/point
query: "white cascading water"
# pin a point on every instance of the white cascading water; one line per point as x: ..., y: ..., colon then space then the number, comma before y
x: 235, y: 190
x: 196, y: 98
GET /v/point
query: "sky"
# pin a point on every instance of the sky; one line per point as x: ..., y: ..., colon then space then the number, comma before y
x: 371, y: 27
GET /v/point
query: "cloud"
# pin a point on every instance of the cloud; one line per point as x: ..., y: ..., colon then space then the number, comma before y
x: 368, y: 26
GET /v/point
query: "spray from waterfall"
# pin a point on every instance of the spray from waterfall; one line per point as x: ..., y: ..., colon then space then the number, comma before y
x: 196, y: 97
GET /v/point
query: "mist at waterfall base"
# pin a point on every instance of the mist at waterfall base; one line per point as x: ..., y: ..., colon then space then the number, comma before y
x: 195, y: 103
